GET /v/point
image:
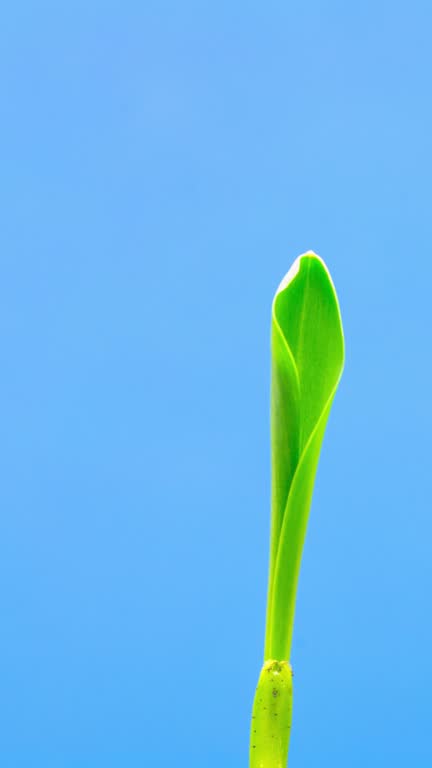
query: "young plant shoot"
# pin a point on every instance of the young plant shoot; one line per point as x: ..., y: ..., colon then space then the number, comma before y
x: 307, y: 354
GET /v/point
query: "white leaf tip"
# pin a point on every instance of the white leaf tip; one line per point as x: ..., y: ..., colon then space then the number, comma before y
x: 290, y: 275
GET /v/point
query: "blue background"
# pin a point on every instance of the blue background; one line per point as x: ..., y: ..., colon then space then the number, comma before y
x: 162, y: 164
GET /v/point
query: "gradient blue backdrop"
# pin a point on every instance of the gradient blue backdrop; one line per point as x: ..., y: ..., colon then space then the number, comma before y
x: 162, y: 164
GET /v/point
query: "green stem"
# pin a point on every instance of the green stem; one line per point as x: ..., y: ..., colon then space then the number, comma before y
x: 271, y: 716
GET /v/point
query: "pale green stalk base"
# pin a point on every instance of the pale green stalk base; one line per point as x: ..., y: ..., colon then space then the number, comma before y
x: 271, y: 716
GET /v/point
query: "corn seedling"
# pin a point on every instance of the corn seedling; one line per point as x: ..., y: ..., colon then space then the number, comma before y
x: 307, y: 354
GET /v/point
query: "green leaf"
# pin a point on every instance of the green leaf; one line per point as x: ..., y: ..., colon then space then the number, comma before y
x: 307, y: 363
